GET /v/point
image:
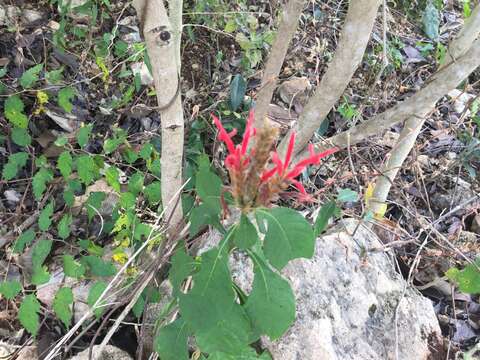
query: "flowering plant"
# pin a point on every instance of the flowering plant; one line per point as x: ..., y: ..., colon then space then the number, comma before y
x: 258, y: 176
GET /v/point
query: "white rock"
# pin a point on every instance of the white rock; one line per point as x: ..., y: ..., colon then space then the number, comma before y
x: 109, y: 353
x: 30, y: 16
x: 141, y: 69
x: 346, y: 305
x: 460, y: 100
x: 12, y: 196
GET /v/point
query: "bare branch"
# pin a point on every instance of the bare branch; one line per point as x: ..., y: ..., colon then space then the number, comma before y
x: 348, y: 56
x: 284, y: 35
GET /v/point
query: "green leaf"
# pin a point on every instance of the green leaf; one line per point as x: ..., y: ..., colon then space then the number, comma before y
x: 21, y: 137
x: 55, y: 76
x: 203, y: 215
x: 72, y: 268
x: 91, y: 247
x: 40, y: 276
x: 347, y: 195
x: 171, y: 341
x: 209, y: 185
x: 245, y: 235
x: 30, y: 77
x: 135, y: 183
x: 10, y: 289
x: 44, y: 220
x: 61, y: 141
x: 146, y: 151
x: 40, y: 252
x: 230, y: 26
x: 65, y: 97
x: 28, y: 314
x: 94, y: 294
x: 64, y: 164
x: 139, y: 306
x: 153, y: 192
x: 23, y: 240
x: 182, y: 266
x: 238, y: 87
x: 3, y: 72
x: 87, y: 169
x: 63, y: 226
x: 271, y: 304
x: 15, y: 163
x: 110, y: 145
x: 73, y: 185
x: 288, y: 236
x: 468, y: 279
x: 247, y: 354
x: 39, y: 182
x: 62, y: 305
x: 84, y: 135
x: 431, y: 21
x: 112, y: 175
x: 326, y: 212
x: 94, y: 202
x: 14, y: 112
x: 127, y: 200
x: 98, y: 266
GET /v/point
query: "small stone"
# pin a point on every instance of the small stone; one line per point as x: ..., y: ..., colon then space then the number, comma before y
x: 294, y: 91
x: 31, y: 16
x: 12, y: 196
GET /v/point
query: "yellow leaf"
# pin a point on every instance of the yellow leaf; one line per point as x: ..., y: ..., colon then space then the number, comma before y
x: 120, y: 257
x: 369, y: 192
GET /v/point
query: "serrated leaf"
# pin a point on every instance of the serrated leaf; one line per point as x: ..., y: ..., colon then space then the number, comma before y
x: 182, y: 266
x: 63, y: 226
x: 21, y: 137
x: 431, y: 21
x: 44, y: 220
x: 40, y: 252
x: 14, y: 112
x: 153, y: 192
x: 10, y: 289
x: 15, y: 163
x: 468, y: 279
x: 72, y: 268
x: 30, y: 77
x: 110, y: 145
x: 326, y: 212
x: 40, y: 276
x: 94, y: 202
x: 39, y: 182
x: 64, y: 164
x: 86, y: 169
x: 171, y: 341
x: 54, y: 76
x: 347, y: 195
x: 288, y: 236
x: 146, y: 151
x: 69, y: 192
x: 135, y: 183
x: 98, y: 266
x: 127, y: 200
x: 91, y: 247
x: 65, y: 97
x: 83, y: 135
x: 94, y: 294
x: 112, y: 175
x: 25, y: 239
x: 28, y: 314
x: 238, y: 87
x: 62, y: 305
x: 271, y: 304
x: 245, y: 235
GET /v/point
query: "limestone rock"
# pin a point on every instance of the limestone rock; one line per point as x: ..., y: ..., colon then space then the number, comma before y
x: 109, y: 353
x: 347, y: 305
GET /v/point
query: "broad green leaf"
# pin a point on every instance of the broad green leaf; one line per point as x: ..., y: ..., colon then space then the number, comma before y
x: 40, y: 252
x: 65, y: 97
x: 94, y: 202
x: 54, y: 76
x: 208, y: 185
x: 135, y: 183
x: 72, y: 268
x: 139, y: 306
x: 146, y: 151
x: 347, y: 195
x: 63, y: 226
x: 230, y: 26
x: 39, y: 182
x: 110, y: 145
x: 153, y: 192
x: 23, y: 240
x: 28, y: 314
x: 15, y: 163
x: 468, y: 279
x: 182, y: 266
x: 171, y: 341
x: 61, y: 141
x: 30, y: 77
x: 21, y: 137
x: 203, y: 215
x: 245, y: 235
x: 112, y: 175
x: 238, y: 87
x: 10, y: 289
x: 73, y: 185
x: 87, y: 169
x: 64, y: 164
x: 248, y: 354
x: 129, y: 155
x: 14, y: 112
x: 62, y: 305
x: 98, y: 266
x: 326, y: 212
x: 127, y: 200
x: 83, y: 135
x: 271, y: 304
x: 40, y: 275
x: 44, y: 220
x: 288, y: 236
x: 431, y: 21
x: 94, y: 294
